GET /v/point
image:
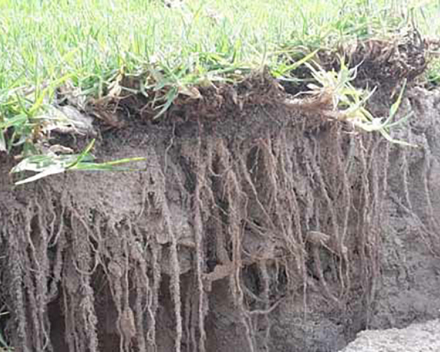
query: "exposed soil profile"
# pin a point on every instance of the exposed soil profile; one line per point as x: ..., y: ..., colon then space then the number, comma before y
x: 255, y: 226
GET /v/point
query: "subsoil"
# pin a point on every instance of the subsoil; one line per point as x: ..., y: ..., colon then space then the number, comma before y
x: 254, y: 225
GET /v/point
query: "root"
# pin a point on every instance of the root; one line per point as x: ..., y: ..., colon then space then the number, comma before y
x: 250, y: 207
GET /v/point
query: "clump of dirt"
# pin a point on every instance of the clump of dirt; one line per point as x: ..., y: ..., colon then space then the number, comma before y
x: 415, y: 338
x: 255, y: 226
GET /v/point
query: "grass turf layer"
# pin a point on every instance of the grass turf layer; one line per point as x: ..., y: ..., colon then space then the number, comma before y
x: 91, y: 45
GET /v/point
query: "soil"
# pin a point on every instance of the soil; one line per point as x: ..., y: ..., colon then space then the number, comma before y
x: 253, y: 226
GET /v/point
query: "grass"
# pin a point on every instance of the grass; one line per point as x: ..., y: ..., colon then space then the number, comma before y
x: 44, y: 44
x: 348, y: 102
x: 91, y: 40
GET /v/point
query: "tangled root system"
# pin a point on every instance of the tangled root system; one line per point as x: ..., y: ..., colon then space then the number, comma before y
x: 269, y: 215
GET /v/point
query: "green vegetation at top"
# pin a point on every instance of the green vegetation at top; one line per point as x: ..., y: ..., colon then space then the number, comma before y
x: 87, y: 44
x: 89, y: 41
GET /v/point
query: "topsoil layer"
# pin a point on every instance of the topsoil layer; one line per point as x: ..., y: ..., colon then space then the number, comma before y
x: 269, y: 229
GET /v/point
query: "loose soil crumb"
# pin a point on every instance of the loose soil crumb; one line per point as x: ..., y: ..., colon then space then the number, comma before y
x: 415, y: 338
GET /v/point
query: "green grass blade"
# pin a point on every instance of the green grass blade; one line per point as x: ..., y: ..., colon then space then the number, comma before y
x: 170, y: 96
x: 108, y: 166
x: 395, y: 107
x: 82, y: 156
x: 298, y: 63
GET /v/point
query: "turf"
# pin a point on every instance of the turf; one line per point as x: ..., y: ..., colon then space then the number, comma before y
x: 44, y: 44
